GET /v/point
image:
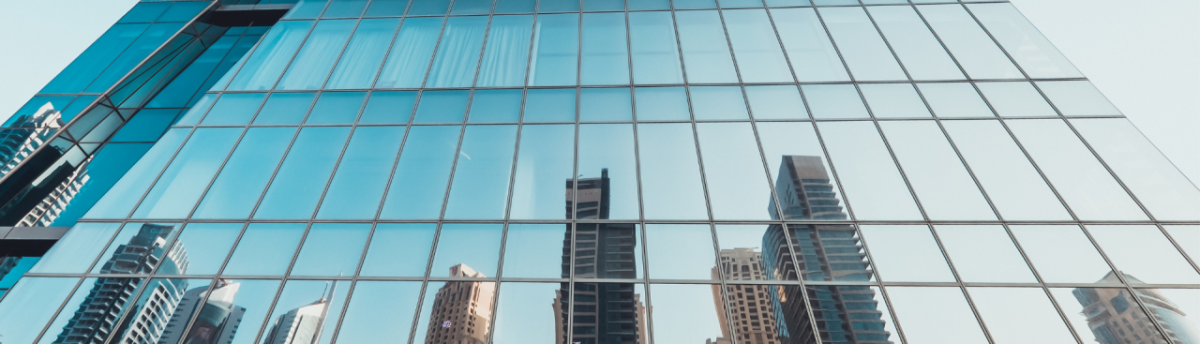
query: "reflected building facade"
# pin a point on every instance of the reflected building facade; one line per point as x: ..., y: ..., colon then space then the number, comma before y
x: 462, y: 310
x: 26, y: 134
x: 1114, y: 317
x: 302, y: 325
x: 217, y: 321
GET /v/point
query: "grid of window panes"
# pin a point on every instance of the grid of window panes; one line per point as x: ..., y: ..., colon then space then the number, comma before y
x: 596, y: 171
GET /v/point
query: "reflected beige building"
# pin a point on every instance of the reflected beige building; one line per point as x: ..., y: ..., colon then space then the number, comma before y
x: 1114, y: 317
x: 462, y: 310
x: 751, y: 307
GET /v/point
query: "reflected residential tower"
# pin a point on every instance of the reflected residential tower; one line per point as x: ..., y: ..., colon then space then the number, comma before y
x: 17, y: 143
x: 751, y: 308
x: 217, y: 321
x: 1114, y: 318
x: 301, y: 325
x: 462, y: 310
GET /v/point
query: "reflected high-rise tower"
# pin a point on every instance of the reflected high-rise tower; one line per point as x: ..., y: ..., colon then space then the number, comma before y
x: 217, y: 321
x: 751, y: 308
x: 17, y: 143
x: 302, y: 325
x: 462, y: 310
x: 1113, y: 317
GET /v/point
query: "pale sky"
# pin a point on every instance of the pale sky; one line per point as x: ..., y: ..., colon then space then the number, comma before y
x: 1145, y: 57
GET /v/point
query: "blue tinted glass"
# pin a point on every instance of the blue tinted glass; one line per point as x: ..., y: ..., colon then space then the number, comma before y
x: 650, y: 5
x: 605, y: 104
x: 285, y: 108
x: 389, y: 107
x: 695, y: 3
x: 894, y: 100
x: 429, y: 7
x: 606, y: 150
x: 245, y: 175
x: 954, y: 100
x: 864, y: 50
x: 788, y: 3
x: 77, y: 249
x: 362, y: 175
x: 387, y: 8
x: 306, y: 9
x: 759, y: 56
x: 476, y: 246
x: 31, y: 304
x: 662, y: 104
x: 106, y: 167
x: 740, y: 3
x: 718, y: 102
x: 92, y: 61
x: 480, y: 187
x: 671, y: 187
x: 183, y: 88
x: 808, y: 46
x: 207, y: 245
x: 147, y: 43
x: 376, y: 308
x: 873, y: 186
x: 776, y: 102
x: 515, y: 6
x: 603, y: 5
x: 534, y: 250
x: 117, y: 203
x: 834, y: 101
x: 184, y: 180
x: 272, y: 55
x: 413, y: 47
x: 399, y: 249
x: 34, y: 104
x: 605, y: 59
x: 495, y: 106
x: 345, y: 9
x: 655, y: 53
x: 472, y: 7
x: 197, y: 111
x: 336, y: 108
x: 922, y: 54
x: 507, y: 52
x: 556, y: 50
x: 679, y: 252
x: 544, y: 164
x: 550, y: 105
x: 331, y: 249
x: 265, y: 249
x: 442, y: 107
x: 302, y: 177
x: 458, y: 52
x: 419, y: 183
x: 144, y: 12
x: 558, y: 6
x: 705, y: 50
x: 183, y: 11
x: 312, y: 64
x: 77, y: 106
x: 364, y: 55
x: 146, y: 126
x: 737, y: 183
x: 299, y: 296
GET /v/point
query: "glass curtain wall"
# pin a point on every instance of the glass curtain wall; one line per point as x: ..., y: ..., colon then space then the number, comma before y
x: 653, y: 171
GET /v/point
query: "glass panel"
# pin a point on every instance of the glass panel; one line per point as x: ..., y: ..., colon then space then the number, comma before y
x: 955, y: 100
x: 834, y: 101
x: 117, y: 203
x: 515, y: 6
x: 605, y: 104
x: 808, y: 46
x: 63, y: 318
x: 537, y: 251
x: 655, y: 52
x: 147, y: 43
x: 306, y: 9
x: 1020, y: 315
x: 894, y: 101
x: 759, y: 57
x: 922, y: 54
x: 331, y: 249
x: 32, y: 303
x: 472, y: 7
x: 705, y: 51
x: 1176, y: 310
x: 522, y: 316
x: 649, y: 5
x: 251, y: 299
x: 247, y: 171
x: 937, y: 176
x: 1028, y: 47
x: 1187, y: 237
x: 776, y: 102
x: 507, y: 51
x: 362, y: 174
x: 285, y: 108
x: 442, y: 107
x: 605, y: 58
x: 419, y: 182
x: 754, y: 253
x: 235, y: 108
x: 606, y: 162
x: 681, y: 315
x: 688, y: 4
x: 1143, y: 255
x: 184, y: 180
x: 556, y: 50
x: 558, y: 6
x: 1168, y: 194
x: 935, y: 315
x: 336, y: 108
x: 77, y: 249
x: 304, y: 310
x: 345, y: 9
x: 1013, y: 185
x: 873, y: 186
x: 608, y: 311
x: 971, y: 46
x: 379, y: 311
x: 495, y: 106
x: 458, y: 53
x: 461, y: 309
x: 480, y: 187
x: 206, y: 246
x: 607, y: 251
x: 671, y: 187
x: 718, y: 102
x: 411, y: 50
x: 1105, y: 315
x: 263, y: 66
x: 984, y: 254
x: 434, y: 7
x: 1077, y: 98
x: 737, y: 187
x: 364, y: 56
x: 680, y: 252
x: 386, y: 8
x: 662, y: 104
x: 265, y: 249
x: 302, y: 177
x: 906, y: 253
x: 146, y: 126
x: 550, y: 105
x: 77, y: 75
x: 1062, y: 254
x: 803, y: 182
x: 1078, y: 177
x: 320, y: 51
x: 150, y: 315
x: 389, y: 107
x: 198, y: 110
x: 863, y: 49
x: 1016, y: 99
x: 399, y: 250
x: 845, y: 314
x: 544, y: 166
x: 467, y: 250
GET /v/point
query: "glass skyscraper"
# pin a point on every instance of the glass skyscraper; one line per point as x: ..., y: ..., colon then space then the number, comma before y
x: 587, y: 172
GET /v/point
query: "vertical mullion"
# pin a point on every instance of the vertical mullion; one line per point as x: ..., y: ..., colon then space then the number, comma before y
x: 1042, y: 282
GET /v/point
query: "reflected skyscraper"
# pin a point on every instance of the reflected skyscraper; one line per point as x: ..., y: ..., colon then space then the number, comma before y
x: 1114, y: 318
x: 17, y: 142
x: 217, y: 321
x: 805, y: 190
x: 301, y: 325
x: 462, y: 310
x: 751, y: 308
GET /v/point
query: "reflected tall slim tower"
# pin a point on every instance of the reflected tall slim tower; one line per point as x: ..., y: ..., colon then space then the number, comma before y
x: 462, y: 310
x: 751, y: 307
x: 217, y: 321
x: 301, y: 325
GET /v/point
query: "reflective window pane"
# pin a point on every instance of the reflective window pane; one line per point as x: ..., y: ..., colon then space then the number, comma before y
x: 467, y: 250
x: 655, y: 52
x: 467, y: 303
x: 536, y: 251
x: 379, y: 312
x: 754, y: 253
x: 894, y: 100
x: 1016, y: 99
x: 906, y: 253
x: 362, y: 174
x: 954, y: 99
x: 1016, y: 189
x: 495, y: 106
x: 605, y: 59
x: 550, y: 105
x: 32, y: 303
x: 442, y: 107
x: 863, y: 49
x: 148, y: 315
x: 922, y: 54
x: 1020, y: 315
x: 458, y: 52
x: 718, y: 102
x: 544, y: 166
x: 246, y: 173
x: 984, y: 254
x: 388, y: 107
x: 681, y: 314
x: 336, y: 108
x: 234, y: 109
x: 605, y: 104
x: 1122, y: 318
x: 331, y: 250
x: 207, y: 245
x: 556, y: 50
x: 316, y: 57
x: 935, y: 315
x: 364, y: 55
x: 1020, y: 39
x: 1077, y: 98
x: 285, y: 108
x: 937, y: 176
x: 262, y: 68
x: 60, y: 322
x: 522, y: 315
x: 803, y: 182
x: 737, y: 185
x: 759, y: 56
x: 77, y: 249
x: 1187, y: 237
x: 607, y: 172
x: 412, y: 49
x: 115, y: 203
x: 671, y: 187
x: 265, y: 249
x: 834, y: 101
x: 419, y: 182
x: 1180, y: 320
x: 184, y: 180
x: 399, y: 250
x: 608, y: 250
x: 141, y: 248
x: 808, y: 46
x: 1061, y: 254
x: 874, y: 187
x: 385, y: 8
x: 612, y: 311
x: 842, y: 313
x: 506, y: 53
x: 662, y: 104
x: 969, y: 44
x: 705, y: 50
x: 253, y: 299
x: 680, y: 252
x: 303, y: 175
x: 1143, y: 254
x: 317, y: 304
x: 480, y: 187
x: 1155, y: 181
x: 776, y: 102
